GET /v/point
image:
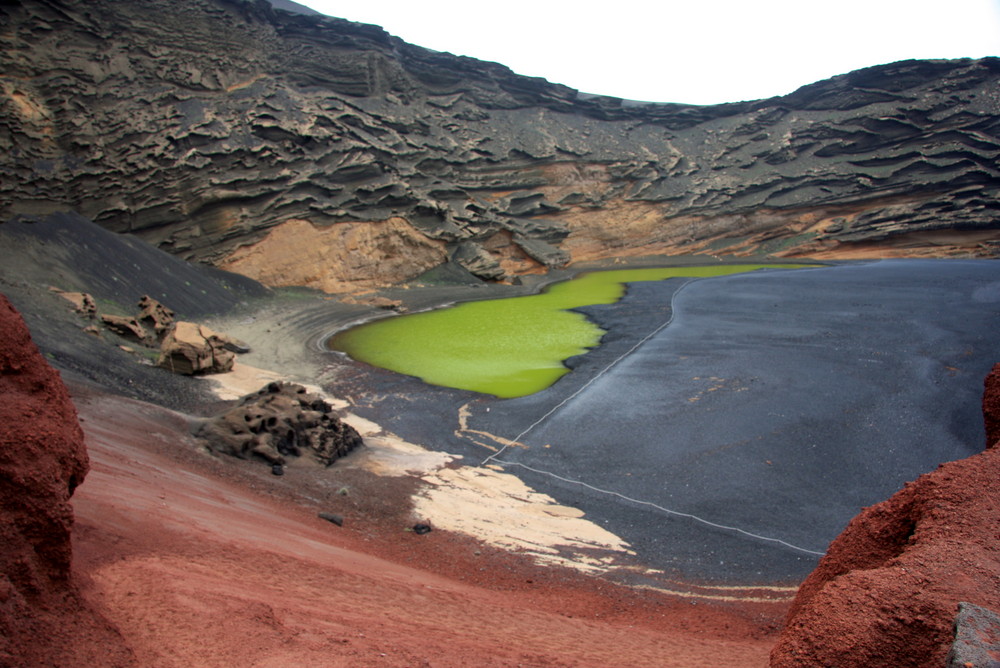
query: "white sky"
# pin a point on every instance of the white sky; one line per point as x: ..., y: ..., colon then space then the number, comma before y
x: 693, y: 51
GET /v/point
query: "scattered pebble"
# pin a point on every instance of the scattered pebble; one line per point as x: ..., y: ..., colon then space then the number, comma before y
x: 330, y: 517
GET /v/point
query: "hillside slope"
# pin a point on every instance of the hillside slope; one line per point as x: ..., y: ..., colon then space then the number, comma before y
x: 303, y: 149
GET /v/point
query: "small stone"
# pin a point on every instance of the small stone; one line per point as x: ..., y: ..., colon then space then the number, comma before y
x: 278, y: 469
x: 421, y: 529
x: 330, y: 517
x: 977, y: 637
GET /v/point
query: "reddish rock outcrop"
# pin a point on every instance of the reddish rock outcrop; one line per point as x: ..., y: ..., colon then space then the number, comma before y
x: 888, y: 589
x: 42, y: 460
x: 991, y: 406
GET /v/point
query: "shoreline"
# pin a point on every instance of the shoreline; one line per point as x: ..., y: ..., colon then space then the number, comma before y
x: 321, y: 368
x: 431, y: 414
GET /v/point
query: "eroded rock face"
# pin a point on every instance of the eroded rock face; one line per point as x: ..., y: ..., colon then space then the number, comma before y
x: 189, y: 348
x: 279, y: 421
x: 42, y: 460
x: 129, y: 328
x: 206, y: 126
x: 888, y: 590
x: 155, y: 316
x: 991, y: 406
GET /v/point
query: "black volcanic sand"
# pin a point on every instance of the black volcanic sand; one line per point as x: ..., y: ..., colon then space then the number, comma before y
x: 778, y: 403
x: 71, y: 253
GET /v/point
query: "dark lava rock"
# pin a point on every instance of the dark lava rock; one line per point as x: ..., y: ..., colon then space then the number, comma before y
x: 330, y: 517
x: 977, y: 638
x: 281, y: 420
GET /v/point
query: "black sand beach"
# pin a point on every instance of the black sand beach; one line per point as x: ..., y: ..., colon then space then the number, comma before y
x: 778, y: 403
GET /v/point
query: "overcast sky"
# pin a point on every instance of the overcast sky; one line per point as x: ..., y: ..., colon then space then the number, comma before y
x: 694, y: 51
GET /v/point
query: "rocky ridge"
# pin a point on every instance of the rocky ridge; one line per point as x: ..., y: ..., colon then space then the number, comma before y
x: 308, y: 150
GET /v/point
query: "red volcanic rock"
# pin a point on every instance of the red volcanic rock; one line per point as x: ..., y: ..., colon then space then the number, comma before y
x: 42, y: 460
x: 991, y: 406
x: 888, y: 589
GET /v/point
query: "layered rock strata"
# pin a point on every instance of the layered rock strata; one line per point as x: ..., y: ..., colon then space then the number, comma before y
x: 888, y: 590
x: 227, y: 131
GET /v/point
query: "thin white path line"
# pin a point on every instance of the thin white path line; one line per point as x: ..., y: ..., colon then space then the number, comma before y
x: 583, y: 387
x: 495, y: 456
x: 661, y: 508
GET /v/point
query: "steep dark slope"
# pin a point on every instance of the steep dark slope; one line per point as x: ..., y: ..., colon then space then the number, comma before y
x: 207, y: 126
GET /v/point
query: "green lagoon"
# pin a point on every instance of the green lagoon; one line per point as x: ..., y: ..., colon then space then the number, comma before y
x: 505, y: 347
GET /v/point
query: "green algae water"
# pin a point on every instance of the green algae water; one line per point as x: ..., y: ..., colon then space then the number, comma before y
x: 506, y: 347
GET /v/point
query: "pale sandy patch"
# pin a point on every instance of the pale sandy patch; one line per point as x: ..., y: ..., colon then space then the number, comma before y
x: 495, y: 507
x: 499, y: 509
x: 245, y: 379
x: 242, y: 380
x: 389, y: 455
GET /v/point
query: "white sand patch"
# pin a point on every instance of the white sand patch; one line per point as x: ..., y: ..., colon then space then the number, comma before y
x: 242, y: 380
x: 363, y: 426
x: 487, y: 504
x: 388, y: 455
x: 499, y: 509
x: 245, y: 379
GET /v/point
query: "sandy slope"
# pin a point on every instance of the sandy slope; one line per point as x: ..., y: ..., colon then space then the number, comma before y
x: 201, y: 562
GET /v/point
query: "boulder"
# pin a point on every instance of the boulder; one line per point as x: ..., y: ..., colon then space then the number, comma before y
x: 82, y: 302
x: 129, y: 328
x: 279, y: 421
x: 189, y: 348
x: 155, y: 316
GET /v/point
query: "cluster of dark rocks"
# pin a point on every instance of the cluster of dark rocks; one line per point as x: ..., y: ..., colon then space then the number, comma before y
x: 279, y: 421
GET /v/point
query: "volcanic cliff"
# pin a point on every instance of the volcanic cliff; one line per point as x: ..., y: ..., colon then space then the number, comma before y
x: 306, y: 150
x: 43, y: 619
